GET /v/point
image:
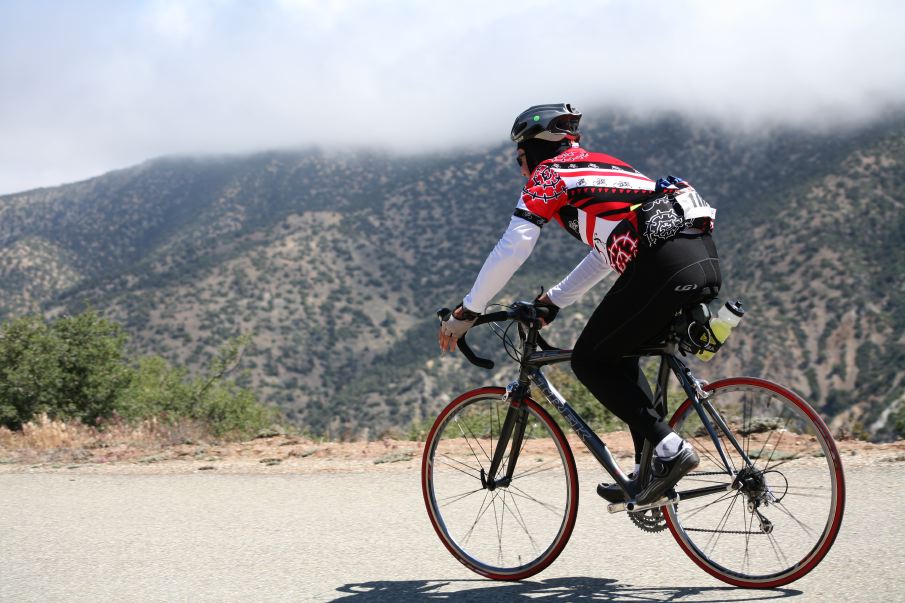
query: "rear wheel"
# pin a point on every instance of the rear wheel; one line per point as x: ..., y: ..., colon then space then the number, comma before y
x: 779, y: 515
x: 506, y: 532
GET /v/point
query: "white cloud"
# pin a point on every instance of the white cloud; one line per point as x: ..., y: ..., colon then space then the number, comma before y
x: 92, y: 86
x: 171, y: 19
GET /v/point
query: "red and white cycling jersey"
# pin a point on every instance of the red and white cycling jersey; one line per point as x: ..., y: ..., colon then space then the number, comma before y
x: 594, y: 197
x: 600, y: 200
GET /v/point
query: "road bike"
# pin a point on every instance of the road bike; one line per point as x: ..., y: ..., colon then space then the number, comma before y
x: 500, y: 481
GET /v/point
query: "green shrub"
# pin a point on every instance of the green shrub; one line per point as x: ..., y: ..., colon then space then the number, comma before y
x: 71, y: 369
x: 76, y: 369
x: 158, y: 389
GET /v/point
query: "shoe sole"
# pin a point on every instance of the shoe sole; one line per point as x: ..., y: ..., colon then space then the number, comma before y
x: 689, y: 461
x: 611, y: 496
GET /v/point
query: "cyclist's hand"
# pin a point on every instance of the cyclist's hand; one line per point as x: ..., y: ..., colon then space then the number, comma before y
x: 544, y: 301
x: 453, y: 328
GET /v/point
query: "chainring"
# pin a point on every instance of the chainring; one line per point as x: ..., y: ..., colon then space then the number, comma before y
x: 651, y: 520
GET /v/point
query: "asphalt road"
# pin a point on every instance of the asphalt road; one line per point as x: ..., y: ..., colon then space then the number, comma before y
x: 366, y: 536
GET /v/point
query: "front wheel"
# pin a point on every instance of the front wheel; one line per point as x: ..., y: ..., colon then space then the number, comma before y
x: 510, y: 531
x: 780, y: 510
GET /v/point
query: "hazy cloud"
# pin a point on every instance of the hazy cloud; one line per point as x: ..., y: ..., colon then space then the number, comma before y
x: 91, y: 86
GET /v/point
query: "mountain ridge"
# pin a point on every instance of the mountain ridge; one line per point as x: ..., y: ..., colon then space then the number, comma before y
x: 335, y: 263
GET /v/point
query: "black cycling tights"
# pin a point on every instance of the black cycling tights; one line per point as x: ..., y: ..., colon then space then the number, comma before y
x: 639, y: 307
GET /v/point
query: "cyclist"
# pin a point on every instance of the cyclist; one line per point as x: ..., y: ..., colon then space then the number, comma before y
x: 656, y: 235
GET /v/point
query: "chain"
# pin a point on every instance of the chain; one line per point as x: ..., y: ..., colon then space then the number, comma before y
x: 720, y: 531
x: 717, y: 531
x: 655, y: 522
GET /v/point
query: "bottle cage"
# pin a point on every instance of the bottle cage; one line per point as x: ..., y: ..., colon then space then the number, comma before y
x: 692, y: 329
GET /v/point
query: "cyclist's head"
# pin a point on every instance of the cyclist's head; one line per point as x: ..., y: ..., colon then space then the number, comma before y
x: 543, y: 131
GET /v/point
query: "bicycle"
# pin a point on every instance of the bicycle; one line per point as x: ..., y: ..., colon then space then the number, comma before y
x: 761, y: 510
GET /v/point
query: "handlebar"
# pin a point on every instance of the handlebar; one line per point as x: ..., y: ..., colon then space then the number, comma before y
x: 525, y: 312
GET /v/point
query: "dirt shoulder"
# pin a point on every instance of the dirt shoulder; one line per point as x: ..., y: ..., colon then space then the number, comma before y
x: 284, y: 454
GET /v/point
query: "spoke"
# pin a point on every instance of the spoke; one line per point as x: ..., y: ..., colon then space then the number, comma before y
x: 703, y: 449
x: 695, y: 510
x: 456, y: 497
x: 776, y: 448
x: 778, y: 551
x: 464, y: 435
x: 519, y: 492
x: 747, y: 534
x: 536, y: 470
x: 715, y: 538
x: 746, y: 422
x: 803, y: 495
x: 770, y: 436
x: 778, y: 464
x: 520, y: 519
x: 806, y: 528
x: 499, y: 533
x: 451, y: 466
x: 481, y: 510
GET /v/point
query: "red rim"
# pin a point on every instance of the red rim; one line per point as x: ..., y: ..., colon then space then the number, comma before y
x: 571, y: 513
x: 840, y: 481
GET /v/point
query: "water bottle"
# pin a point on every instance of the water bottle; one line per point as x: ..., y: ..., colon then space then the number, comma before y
x: 723, y: 318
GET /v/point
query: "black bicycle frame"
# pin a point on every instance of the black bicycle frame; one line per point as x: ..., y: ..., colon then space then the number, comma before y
x: 513, y: 428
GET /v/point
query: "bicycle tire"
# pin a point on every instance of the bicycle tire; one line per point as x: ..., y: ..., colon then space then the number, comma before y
x: 796, y: 483
x: 552, y: 476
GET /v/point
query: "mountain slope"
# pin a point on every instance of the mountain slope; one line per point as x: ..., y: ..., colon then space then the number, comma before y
x: 335, y: 262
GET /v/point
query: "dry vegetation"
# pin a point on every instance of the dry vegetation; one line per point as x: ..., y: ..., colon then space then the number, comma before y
x: 153, y: 447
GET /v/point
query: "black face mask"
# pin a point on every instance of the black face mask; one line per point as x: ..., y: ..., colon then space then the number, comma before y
x: 537, y: 150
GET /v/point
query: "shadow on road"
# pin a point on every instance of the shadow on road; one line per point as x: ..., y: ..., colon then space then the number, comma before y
x: 566, y: 589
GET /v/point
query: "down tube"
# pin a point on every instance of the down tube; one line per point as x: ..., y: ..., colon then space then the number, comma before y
x: 585, y: 433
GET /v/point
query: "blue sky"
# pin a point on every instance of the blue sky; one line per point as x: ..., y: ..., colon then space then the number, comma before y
x: 90, y: 86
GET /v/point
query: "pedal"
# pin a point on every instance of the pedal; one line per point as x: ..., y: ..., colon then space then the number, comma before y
x: 632, y: 507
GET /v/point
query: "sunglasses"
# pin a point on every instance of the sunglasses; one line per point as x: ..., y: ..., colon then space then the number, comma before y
x: 520, y: 159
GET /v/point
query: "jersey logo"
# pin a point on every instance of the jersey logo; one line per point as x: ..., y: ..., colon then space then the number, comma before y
x: 545, y: 185
x: 621, y: 251
x: 571, y: 155
x: 662, y: 225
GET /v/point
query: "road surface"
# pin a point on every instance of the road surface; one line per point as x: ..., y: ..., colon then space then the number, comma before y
x: 364, y: 536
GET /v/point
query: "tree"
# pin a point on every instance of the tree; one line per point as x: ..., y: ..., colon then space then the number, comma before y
x: 73, y: 368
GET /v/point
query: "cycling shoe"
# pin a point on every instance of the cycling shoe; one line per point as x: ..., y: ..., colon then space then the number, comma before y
x: 667, y: 474
x: 612, y: 492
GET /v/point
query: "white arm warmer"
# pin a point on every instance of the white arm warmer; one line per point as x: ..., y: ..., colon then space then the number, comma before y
x: 510, y: 253
x: 585, y: 275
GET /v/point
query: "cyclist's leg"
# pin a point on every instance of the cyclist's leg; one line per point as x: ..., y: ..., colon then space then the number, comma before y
x: 639, y: 307
x: 641, y: 380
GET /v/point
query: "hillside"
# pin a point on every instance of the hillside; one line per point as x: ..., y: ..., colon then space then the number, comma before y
x: 335, y: 262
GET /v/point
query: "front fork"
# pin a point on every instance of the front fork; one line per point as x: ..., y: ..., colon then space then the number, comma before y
x: 512, y: 434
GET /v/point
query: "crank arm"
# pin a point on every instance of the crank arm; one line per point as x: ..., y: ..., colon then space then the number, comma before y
x: 633, y: 507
